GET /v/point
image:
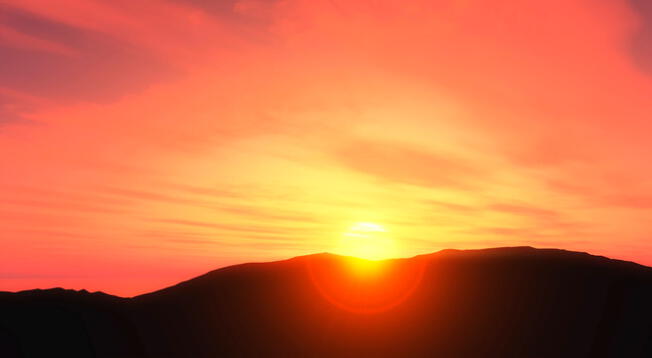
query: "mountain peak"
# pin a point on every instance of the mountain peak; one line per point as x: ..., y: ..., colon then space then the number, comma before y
x: 511, y: 301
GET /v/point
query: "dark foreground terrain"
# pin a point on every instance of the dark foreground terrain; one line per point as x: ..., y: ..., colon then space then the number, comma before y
x: 506, y: 302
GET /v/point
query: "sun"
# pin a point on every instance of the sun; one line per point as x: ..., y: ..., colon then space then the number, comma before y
x: 367, y: 240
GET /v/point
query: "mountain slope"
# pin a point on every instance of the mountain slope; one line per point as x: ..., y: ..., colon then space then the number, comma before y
x: 505, y: 302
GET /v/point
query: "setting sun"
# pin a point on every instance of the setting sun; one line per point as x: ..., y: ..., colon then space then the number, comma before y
x: 367, y: 240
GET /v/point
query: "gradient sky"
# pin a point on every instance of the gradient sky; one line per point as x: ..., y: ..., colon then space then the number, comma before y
x: 145, y: 142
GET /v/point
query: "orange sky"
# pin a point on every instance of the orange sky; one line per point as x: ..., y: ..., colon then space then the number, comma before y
x: 145, y: 142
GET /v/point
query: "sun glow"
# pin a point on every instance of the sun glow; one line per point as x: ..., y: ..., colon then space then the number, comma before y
x: 368, y: 241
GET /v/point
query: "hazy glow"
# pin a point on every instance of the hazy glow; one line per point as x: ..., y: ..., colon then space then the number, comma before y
x: 367, y: 241
x: 363, y: 286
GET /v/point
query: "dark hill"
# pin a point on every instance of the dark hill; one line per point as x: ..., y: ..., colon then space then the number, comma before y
x: 506, y: 302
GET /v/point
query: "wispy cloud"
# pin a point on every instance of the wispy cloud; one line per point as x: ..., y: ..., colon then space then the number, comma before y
x: 409, y: 164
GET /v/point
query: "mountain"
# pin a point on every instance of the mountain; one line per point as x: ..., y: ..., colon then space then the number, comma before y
x: 503, y: 302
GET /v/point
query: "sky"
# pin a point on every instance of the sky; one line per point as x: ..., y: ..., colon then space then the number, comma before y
x: 147, y: 142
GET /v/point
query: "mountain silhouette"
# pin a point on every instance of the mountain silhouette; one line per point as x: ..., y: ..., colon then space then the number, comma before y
x: 503, y: 302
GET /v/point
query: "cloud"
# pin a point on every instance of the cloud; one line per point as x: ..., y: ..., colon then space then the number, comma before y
x: 65, y: 63
x: 629, y: 201
x: 409, y: 164
x: 524, y: 210
x: 239, y: 12
x: 641, y: 42
x: 452, y: 206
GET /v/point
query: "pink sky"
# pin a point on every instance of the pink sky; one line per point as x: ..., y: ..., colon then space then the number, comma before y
x: 145, y: 142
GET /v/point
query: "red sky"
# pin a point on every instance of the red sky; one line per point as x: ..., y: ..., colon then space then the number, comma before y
x: 145, y: 142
